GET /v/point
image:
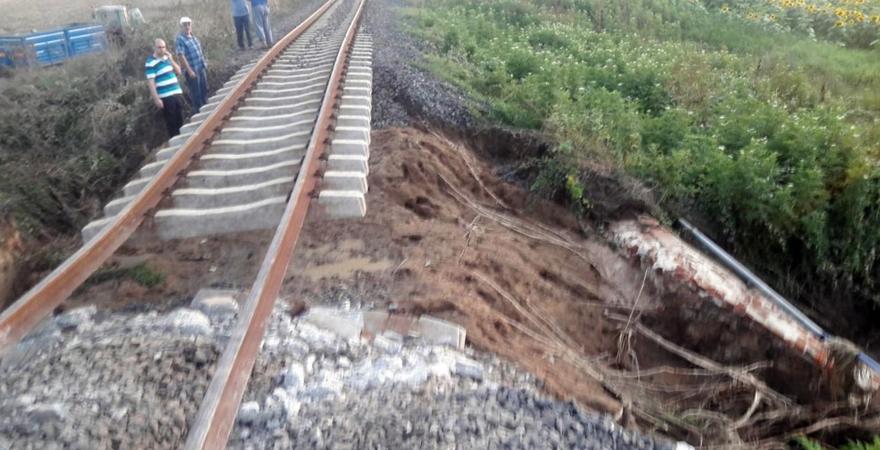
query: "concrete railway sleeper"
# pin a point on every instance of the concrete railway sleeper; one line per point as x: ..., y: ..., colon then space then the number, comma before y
x: 248, y: 160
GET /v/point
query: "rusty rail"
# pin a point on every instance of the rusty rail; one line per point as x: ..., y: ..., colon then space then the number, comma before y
x: 218, y: 410
x: 40, y: 300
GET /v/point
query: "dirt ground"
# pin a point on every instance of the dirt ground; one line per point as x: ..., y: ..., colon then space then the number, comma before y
x: 446, y: 257
x: 431, y: 252
x: 10, y: 249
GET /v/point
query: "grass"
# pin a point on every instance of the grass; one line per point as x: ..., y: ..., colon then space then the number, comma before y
x: 145, y: 276
x: 806, y: 443
x: 766, y: 135
x: 141, y: 274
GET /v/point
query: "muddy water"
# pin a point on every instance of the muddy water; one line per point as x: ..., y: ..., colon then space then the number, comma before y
x: 346, y: 268
x: 342, y: 260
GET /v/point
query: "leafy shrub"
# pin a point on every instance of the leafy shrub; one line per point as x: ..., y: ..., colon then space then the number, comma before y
x: 548, y: 38
x: 450, y: 41
x: 521, y: 63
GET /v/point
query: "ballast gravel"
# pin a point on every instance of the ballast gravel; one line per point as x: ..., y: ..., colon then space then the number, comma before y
x: 404, y: 93
x: 314, y: 389
x: 93, y: 380
x: 88, y: 380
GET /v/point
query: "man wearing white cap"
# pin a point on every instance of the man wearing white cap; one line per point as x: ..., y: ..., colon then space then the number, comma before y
x: 195, y: 66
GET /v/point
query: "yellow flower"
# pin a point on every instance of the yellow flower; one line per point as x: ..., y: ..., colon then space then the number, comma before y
x: 839, y: 24
x: 725, y: 9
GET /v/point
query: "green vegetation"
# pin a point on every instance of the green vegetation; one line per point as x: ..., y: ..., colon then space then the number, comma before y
x: 141, y: 274
x: 145, y: 276
x: 768, y: 136
x: 809, y: 444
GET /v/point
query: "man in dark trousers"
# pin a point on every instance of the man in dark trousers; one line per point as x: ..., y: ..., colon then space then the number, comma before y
x: 241, y: 18
x: 194, y: 63
x: 261, y: 21
x: 162, y: 72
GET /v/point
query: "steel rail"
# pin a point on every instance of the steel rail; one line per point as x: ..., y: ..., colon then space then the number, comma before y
x: 219, y: 407
x: 40, y: 300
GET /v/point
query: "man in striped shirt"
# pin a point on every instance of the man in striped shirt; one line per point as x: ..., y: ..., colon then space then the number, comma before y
x: 162, y: 71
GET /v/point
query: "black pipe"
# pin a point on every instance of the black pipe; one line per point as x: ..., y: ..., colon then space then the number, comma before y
x: 753, y: 281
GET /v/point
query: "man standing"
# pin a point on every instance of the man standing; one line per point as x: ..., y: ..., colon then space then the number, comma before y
x: 162, y: 74
x: 194, y: 63
x: 261, y: 21
x: 242, y: 20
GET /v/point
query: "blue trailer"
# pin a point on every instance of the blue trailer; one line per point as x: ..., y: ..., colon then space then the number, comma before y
x: 83, y: 39
x: 52, y: 47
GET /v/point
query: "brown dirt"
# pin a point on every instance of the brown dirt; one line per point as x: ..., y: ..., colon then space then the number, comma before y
x: 186, y: 266
x: 451, y: 261
x: 11, y: 247
x: 441, y: 252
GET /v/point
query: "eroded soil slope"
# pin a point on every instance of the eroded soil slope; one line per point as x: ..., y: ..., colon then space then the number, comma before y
x: 443, y: 235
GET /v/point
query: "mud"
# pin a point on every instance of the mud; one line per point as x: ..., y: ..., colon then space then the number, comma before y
x: 185, y: 266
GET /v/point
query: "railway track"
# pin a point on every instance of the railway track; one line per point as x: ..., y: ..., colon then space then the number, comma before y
x: 291, y: 127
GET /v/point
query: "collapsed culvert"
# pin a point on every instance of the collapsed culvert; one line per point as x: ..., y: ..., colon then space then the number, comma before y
x: 714, y: 361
